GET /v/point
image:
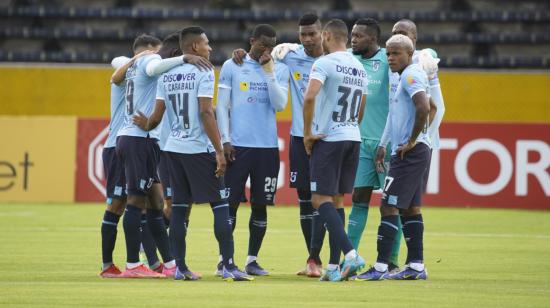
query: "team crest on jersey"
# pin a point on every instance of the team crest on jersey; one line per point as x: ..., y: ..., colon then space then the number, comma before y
x: 244, y: 86
x: 410, y: 79
x: 376, y: 65
x: 297, y: 76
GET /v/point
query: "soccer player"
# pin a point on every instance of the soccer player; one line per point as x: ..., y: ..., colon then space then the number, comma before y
x: 427, y: 58
x: 139, y: 152
x: 333, y: 107
x: 299, y: 62
x: 114, y: 170
x: 193, y: 151
x: 365, y: 37
x: 407, y: 129
x: 254, y: 92
x: 299, y: 59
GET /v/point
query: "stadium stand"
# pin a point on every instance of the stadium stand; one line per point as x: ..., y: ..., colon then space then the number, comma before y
x: 466, y: 34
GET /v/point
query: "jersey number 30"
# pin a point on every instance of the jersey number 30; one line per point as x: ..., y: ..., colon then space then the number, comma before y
x: 352, y: 110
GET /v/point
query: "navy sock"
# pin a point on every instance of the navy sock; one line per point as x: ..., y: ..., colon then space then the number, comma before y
x: 178, y: 232
x: 413, y: 229
x: 342, y: 214
x: 306, y: 221
x: 108, y: 235
x: 131, y: 223
x: 335, y: 227
x: 257, y: 226
x: 148, y: 242
x: 317, y: 237
x: 233, y: 215
x: 386, y: 235
x: 155, y: 220
x: 223, y: 232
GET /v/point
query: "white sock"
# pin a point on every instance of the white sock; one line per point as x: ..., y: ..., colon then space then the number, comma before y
x: 250, y: 259
x: 381, y: 267
x: 106, y: 265
x: 133, y: 265
x: 417, y: 266
x: 170, y: 264
x: 332, y: 267
x: 352, y: 254
x: 220, y: 259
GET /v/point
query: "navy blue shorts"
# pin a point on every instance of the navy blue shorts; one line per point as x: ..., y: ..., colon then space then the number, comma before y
x: 403, y: 186
x: 333, y: 167
x: 193, y: 178
x: 262, y: 166
x: 114, y: 172
x: 299, y: 163
x: 164, y: 176
x: 140, y: 157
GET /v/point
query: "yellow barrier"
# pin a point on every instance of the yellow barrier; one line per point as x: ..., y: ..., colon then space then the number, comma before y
x: 37, y: 158
x: 469, y: 95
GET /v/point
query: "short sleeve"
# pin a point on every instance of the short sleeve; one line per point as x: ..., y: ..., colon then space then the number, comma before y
x: 206, y: 85
x: 283, y: 74
x: 414, y: 82
x: 225, y: 76
x: 160, y: 90
x: 318, y: 71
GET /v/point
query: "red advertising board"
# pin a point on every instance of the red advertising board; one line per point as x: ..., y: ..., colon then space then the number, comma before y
x: 481, y: 165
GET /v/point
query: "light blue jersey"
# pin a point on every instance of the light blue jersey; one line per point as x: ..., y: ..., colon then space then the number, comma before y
x: 402, y: 109
x: 117, y: 113
x: 164, y: 130
x: 180, y: 88
x: 299, y: 64
x: 140, y: 96
x: 338, y: 103
x: 252, y: 123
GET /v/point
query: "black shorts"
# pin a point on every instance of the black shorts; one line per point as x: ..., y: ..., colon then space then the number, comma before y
x: 164, y: 176
x: 140, y: 157
x: 262, y: 166
x: 403, y: 186
x: 333, y: 167
x: 299, y: 163
x: 114, y: 173
x: 193, y: 178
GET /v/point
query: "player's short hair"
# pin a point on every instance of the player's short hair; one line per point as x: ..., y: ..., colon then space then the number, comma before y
x: 308, y: 19
x: 263, y: 29
x: 189, y: 33
x: 172, y: 40
x: 401, y: 40
x: 145, y: 40
x: 371, y: 24
x: 409, y: 23
x: 338, y: 28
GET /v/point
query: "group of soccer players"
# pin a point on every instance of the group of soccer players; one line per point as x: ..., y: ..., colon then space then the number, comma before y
x: 167, y: 143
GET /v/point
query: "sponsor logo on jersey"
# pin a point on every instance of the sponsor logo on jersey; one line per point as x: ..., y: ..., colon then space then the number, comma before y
x: 411, y: 80
x: 297, y: 75
x: 243, y: 86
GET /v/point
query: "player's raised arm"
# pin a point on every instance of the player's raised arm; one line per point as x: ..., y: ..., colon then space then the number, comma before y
x: 278, y: 93
x: 433, y: 111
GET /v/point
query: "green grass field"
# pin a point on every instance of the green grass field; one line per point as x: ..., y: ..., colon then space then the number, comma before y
x: 50, y: 256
